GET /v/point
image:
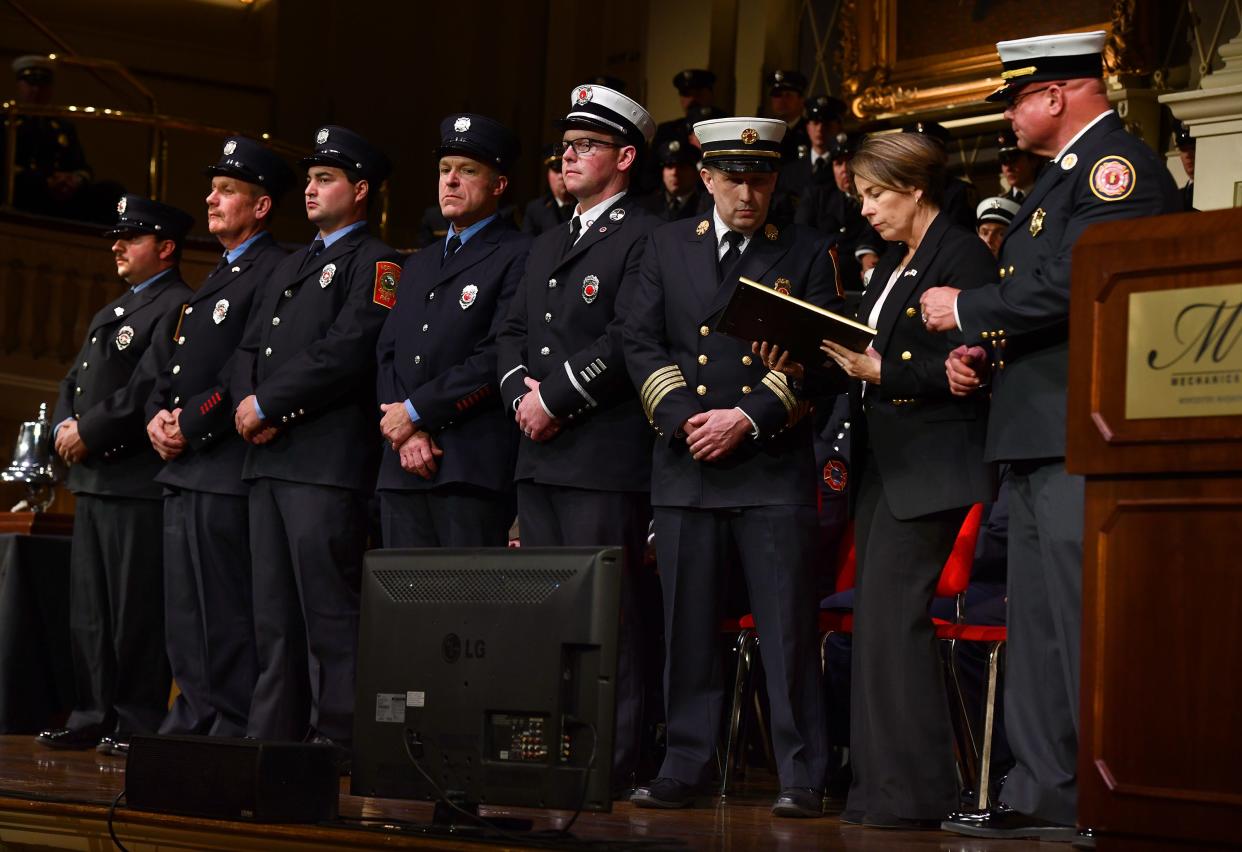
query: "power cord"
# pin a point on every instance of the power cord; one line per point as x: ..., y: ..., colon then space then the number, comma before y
x: 111, y: 816
x: 586, y: 774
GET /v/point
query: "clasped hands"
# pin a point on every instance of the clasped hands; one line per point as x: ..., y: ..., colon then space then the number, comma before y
x: 250, y: 426
x: 415, y: 448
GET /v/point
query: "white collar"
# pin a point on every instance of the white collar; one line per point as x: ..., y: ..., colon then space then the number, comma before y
x: 588, y: 217
x: 722, y: 229
x: 1070, y: 144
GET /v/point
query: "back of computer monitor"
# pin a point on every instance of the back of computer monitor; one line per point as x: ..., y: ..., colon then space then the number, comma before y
x: 488, y: 675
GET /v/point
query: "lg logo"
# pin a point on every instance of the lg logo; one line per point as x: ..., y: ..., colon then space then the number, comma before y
x: 454, y: 646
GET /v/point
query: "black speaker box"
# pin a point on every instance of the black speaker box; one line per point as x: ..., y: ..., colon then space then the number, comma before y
x: 221, y: 778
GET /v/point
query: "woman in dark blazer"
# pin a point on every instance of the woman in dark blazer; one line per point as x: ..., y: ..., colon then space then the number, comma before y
x: 917, y: 459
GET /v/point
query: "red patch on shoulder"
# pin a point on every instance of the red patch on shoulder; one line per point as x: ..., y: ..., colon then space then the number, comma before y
x: 387, y: 275
x: 836, y: 476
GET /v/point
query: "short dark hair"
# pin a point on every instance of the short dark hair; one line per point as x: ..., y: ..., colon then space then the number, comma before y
x: 902, y: 162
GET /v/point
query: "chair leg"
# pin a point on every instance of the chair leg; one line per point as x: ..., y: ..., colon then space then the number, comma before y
x: 964, y: 740
x: 989, y: 716
x: 741, y: 679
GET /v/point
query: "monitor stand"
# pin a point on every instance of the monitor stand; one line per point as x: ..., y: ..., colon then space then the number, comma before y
x: 444, y: 815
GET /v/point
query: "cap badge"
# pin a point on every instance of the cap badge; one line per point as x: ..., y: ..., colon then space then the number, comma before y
x: 583, y: 95
x: 325, y: 277
x: 674, y: 146
x: 1037, y: 222
x: 468, y: 294
x: 1112, y: 178
x: 119, y: 311
x: 229, y: 147
x: 124, y: 337
x: 220, y: 311
x: 702, y: 228
x: 750, y: 136
x: 771, y: 231
x: 1069, y: 161
x: 120, y: 206
x: 590, y: 288
x: 321, y: 137
x: 617, y: 215
x: 778, y: 76
x: 462, y: 124
x: 782, y: 286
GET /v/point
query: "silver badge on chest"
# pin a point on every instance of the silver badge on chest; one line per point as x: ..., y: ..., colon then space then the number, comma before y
x: 468, y: 295
x: 124, y: 337
x: 220, y: 311
x: 590, y: 288
x: 325, y: 277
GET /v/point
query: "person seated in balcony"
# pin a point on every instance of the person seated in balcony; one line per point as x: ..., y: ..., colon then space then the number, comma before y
x: 52, y: 175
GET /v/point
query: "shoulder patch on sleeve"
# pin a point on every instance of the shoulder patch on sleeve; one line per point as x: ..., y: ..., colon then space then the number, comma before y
x: 1112, y: 178
x: 387, y: 275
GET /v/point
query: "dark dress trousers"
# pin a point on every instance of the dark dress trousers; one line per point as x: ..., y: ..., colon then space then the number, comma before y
x: 1107, y: 174
x: 208, y: 613
x: 116, y: 604
x: 309, y: 357
x: 544, y: 214
x: 438, y: 350
x: 760, y: 498
x: 919, y: 466
x: 588, y: 485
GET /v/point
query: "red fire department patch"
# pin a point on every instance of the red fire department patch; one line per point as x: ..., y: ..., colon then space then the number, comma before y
x: 387, y: 275
x: 835, y: 475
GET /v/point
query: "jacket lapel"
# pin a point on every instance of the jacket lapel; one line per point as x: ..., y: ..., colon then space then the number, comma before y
x: 314, y: 266
x: 476, y: 249
x: 131, y: 303
x: 761, y: 255
x: 909, y: 281
x: 226, y: 274
x: 701, y: 260
x: 601, y: 229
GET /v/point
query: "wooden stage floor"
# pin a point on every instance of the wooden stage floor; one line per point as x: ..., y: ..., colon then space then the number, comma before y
x: 60, y: 800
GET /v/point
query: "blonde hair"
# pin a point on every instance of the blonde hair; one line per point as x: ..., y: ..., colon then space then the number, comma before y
x: 903, y: 162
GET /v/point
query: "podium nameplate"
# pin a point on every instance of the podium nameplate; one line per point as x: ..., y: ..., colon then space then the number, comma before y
x: 1184, y: 353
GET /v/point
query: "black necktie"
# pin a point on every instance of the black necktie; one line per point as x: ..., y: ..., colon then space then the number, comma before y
x: 575, y: 227
x: 313, y: 252
x: 733, y: 242
x: 224, y: 261
x: 1018, y: 195
x: 454, y: 246
x: 818, y: 168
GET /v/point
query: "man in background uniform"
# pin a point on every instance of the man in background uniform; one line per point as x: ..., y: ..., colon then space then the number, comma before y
x: 208, y: 612
x: 823, y: 128
x: 992, y: 219
x: 446, y: 478
x: 583, y: 470
x: 959, y: 194
x: 1186, y: 153
x: 304, y: 383
x: 116, y: 605
x: 1055, y: 98
x: 1019, y: 168
x: 787, y: 101
x: 732, y: 463
x: 681, y: 192
x: 557, y: 205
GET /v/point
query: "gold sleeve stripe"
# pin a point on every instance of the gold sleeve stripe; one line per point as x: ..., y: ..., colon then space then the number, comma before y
x: 802, y: 409
x: 779, y: 385
x: 658, y: 385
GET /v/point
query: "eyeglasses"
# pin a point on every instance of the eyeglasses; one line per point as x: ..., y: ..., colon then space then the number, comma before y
x: 1013, y: 103
x: 585, y: 146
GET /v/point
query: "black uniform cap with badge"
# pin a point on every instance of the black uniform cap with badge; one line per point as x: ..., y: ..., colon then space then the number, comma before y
x: 1007, y: 146
x: 137, y: 215
x: 691, y: 79
x: 1047, y: 59
x: 932, y: 130
x: 825, y: 108
x: 676, y: 152
x: 842, y: 147
x: 34, y: 69
x: 779, y: 81
x: 745, y: 144
x: 342, y: 148
x: 255, y: 163
x: 550, y: 156
x: 607, y: 110
x: 479, y: 138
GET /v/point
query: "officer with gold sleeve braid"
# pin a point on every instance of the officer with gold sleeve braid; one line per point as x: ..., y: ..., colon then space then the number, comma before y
x: 584, y: 461
x: 732, y: 462
x: 305, y: 378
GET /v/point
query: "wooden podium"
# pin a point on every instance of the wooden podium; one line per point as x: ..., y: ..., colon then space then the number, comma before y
x: 1155, y: 425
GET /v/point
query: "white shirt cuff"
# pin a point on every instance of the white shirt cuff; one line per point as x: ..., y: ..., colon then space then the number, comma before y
x: 957, y: 319
x: 754, y: 427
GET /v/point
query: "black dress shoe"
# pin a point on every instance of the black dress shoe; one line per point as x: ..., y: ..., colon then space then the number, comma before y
x: 883, y: 820
x: 344, y: 758
x: 664, y: 793
x: 799, y: 802
x: 852, y: 817
x: 116, y: 745
x: 81, y: 738
x: 1085, y: 839
x: 1004, y: 822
